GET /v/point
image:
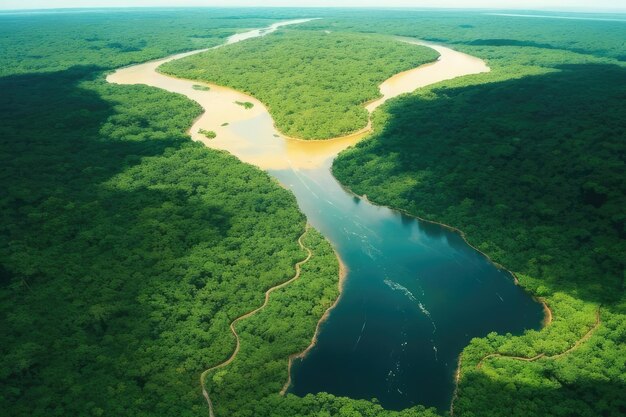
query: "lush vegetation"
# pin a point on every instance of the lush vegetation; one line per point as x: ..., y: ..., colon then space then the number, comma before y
x: 57, y: 41
x: 528, y: 161
x: 268, y: 338
x: 125, y: 248
x: 310, y: 95
x: 491, y: 33
x: 245, y: 104
x: 210, y: 134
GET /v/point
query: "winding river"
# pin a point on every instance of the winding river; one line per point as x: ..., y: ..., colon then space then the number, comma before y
x: 415, y: 293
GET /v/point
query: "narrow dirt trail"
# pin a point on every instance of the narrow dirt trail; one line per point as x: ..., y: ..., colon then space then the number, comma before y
x: 580, y: 341
x: 480, y: 363
x: 251, y: 313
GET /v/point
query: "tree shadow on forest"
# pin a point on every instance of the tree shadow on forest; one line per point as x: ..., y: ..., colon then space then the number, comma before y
x: 498, y: 42
x: 52, y: 148
x: 538, y: 158
x: 550, y: 397
x: 51, y: 132
x: 510, y: 42
x: 87, y: 251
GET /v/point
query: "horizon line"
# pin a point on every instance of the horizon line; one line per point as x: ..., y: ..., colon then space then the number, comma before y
x: 450, y: 8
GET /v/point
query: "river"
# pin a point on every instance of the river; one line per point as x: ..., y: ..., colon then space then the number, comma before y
x: 415, y: 293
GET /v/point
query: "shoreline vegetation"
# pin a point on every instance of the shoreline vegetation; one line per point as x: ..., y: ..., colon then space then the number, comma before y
x: 232, y: 325
x: 201, y: 87
x: 162, y: 306
x: 499, y: 75
x: 543, y: 355
x: 343, y: 272
x: 326, y: 100
x: 209, y: 134
x: 370, y: 105
x: 245, y: 104
x: 415, y: 152
x: 374, y: 104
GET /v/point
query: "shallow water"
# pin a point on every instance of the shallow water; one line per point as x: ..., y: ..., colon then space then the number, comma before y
x: 415, y: 293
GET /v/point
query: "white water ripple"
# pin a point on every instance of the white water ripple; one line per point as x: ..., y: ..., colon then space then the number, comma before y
x: 360, y: 336
x: 399, y: 287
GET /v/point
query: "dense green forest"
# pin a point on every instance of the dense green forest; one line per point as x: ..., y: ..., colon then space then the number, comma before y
x: 310, y: 94
x: 528, y: 161
x: 126, y: 249
x: 590, y: 37
x: 270, y: 336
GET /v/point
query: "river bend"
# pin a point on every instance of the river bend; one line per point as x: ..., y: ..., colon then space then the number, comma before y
x: 415, y: 292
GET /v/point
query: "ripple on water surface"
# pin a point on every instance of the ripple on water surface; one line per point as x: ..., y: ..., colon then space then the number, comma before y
x: 416, y: 294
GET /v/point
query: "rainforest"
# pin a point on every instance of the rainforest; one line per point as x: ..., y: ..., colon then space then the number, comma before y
x: 283, y: 212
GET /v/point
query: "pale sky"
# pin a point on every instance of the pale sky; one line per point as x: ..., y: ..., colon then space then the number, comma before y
x: 596, y: 5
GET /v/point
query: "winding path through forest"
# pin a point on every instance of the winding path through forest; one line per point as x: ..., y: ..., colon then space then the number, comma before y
x: 275, y: 150
x: 576, y: 344
x: 543, y: 355
x: 251, y: 313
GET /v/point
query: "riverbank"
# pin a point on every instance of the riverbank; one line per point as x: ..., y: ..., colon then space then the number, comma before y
x: 266, y: 300
x: 343, y: 273
x: 276, y: 150
x: 251, y: 135
x: 548, y: 315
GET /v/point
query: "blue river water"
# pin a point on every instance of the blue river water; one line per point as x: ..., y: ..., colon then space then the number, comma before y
x: 415, y: 294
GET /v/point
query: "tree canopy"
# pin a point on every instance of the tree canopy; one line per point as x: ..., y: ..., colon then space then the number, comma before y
x: 314, y: 82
